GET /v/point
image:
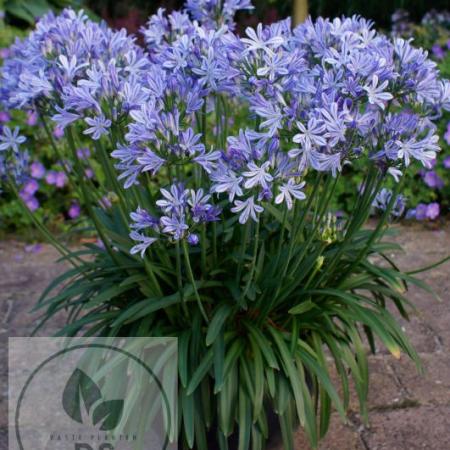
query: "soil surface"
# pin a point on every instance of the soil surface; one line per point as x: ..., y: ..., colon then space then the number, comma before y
x: 408, y: 411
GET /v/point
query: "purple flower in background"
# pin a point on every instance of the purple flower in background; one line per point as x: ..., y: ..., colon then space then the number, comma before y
x: 37, y: 170
x: 446, y: 162
x: 31, y: 201
x: 58, y: 132
x: 410, y: 214
x: 30, y: 187
x: 50, y: 178
x: 433, y: 180
x: 89, y: 173
x: 421, y: 211
x: 33, y: 248
x: 74, y: 211
x: 4, y: 53
x: 32, y: 118
x: 11, y: 139
x: 83, y: 153
x: 4, y: 117
x: 438, y: 51
x: 61, y: 179
x: 433, y: 211
x: 447, y: 134
x: 55, y: 178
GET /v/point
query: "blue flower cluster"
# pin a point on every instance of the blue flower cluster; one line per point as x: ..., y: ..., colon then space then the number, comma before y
x: 183, y: 211
x: 75, y: 69
x: 318, y: 97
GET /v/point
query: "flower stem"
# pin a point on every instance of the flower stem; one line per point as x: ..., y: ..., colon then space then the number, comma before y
x: 179, y: 278
x: 192, y: 280
x: 253, y: 266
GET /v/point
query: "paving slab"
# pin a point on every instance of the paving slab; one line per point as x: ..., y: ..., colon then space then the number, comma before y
x: 425, y: 427
x: 430, y: 388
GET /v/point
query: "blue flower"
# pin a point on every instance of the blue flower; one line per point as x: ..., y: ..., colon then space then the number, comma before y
x: 376, y: 93
x: 225, y: 180
x: 150, y: 161
x: 64, y: 118
x: 288, y: 191
x: 193, y: 239
x: 11, y: 139
x: 310, y: 135
x: 142, y: 220
x: 257, y: 175
x: 256, y: 41
x: 174, y: 200
x: 174, y: 225
x: 98, y: 126
x: 144, y: 243
x: 247, y: 209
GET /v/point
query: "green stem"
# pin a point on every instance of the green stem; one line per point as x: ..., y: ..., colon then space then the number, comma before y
x: 192, y: 280
x: 179, y: 278
x: 203, y: 249
x: 112, y: 182
x: 87, y: 199
x: 214, y: 240
x: 242, y: 253
x: 281, y: 238
x: 253, y: 266
x: 297, y: 228
x: 376, y: 233
x: 360, y: 215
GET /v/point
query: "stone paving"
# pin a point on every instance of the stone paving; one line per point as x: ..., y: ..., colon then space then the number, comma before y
x: 408, y: 411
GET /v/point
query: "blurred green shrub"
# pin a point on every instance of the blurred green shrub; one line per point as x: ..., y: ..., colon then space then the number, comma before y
x: 25, y: 12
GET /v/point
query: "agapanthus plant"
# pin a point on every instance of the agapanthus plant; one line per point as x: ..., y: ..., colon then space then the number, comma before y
x: 221, y: 155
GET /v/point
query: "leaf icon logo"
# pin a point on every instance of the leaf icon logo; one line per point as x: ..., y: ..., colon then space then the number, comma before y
x: 81, y: 390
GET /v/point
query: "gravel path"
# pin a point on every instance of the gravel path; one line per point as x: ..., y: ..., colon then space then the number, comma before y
x: 408, y: 411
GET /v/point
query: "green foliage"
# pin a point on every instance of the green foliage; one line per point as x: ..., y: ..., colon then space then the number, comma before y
x: 28, y: 11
